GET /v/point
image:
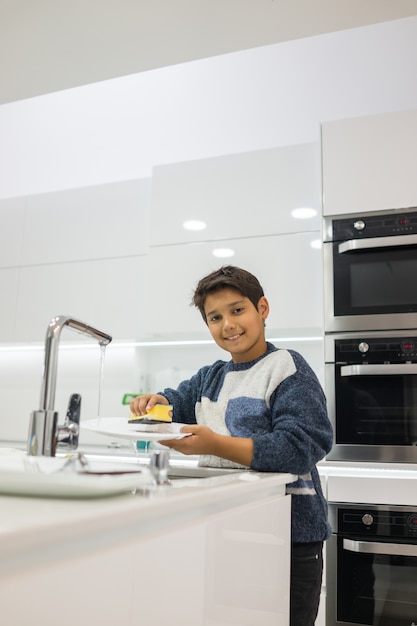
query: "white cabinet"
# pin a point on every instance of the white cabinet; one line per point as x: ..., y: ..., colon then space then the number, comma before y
x: 287, y: 266
x: 247, y: 553
x: 216, y: 568
x: 370, y: 163
x: 246, y: 202
x: 80, y: 252
x: 239, y: 195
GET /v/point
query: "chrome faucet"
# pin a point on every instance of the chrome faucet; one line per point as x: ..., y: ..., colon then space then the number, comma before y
x: 43, y: 426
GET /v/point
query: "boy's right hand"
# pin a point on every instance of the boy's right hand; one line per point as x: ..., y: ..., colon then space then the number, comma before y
x: 142, y: 404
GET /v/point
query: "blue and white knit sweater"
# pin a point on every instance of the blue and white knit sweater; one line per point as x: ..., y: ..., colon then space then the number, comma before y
x: 278, y: 402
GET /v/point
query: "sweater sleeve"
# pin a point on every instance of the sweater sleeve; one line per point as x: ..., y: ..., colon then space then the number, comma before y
x: 186, y: 396
x: 301, y: 433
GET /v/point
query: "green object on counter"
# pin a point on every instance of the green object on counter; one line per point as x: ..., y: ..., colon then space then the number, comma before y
x: 128, y: 397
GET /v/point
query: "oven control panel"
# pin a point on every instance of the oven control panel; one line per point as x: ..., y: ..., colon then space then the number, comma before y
x: 381, y: 522
x: 376, y: 350
x: 360, y: 227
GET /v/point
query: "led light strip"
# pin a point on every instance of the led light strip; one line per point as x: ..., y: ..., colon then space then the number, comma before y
x: 145, y: 344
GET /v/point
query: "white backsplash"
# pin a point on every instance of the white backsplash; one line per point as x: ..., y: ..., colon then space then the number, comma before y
x: 127, y: 370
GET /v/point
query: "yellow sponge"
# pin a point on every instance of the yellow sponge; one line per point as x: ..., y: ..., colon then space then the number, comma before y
x: 158, y: 413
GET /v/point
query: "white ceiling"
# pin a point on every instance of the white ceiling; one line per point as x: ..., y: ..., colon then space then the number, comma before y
x: 51, y: 45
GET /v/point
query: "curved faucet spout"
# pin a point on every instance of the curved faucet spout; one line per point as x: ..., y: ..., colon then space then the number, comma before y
x: 53, y: 334
x: 43, y: 427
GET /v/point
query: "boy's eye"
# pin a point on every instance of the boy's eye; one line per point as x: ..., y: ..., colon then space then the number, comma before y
x: 238, y: 310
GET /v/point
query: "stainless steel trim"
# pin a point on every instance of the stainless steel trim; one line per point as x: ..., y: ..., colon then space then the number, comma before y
x: 332, y: 553
x: 377, y: 242
x: 46, y: 418
x: 330, y: 339
x: 328, y: 285
x: 328, y: 219
x: 360, y: 452
x: 373, y: 454
x: 360, y: 323
x: 374, y: 547
x: 365, y: 369
x: 353, y: 506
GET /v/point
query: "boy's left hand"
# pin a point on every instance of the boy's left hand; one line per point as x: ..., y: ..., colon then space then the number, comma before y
x: 202, y: 440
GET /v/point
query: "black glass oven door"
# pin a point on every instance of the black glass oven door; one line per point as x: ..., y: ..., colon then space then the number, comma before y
x: 376, y: 404
x: 376, y: 583
x: 375, y: 277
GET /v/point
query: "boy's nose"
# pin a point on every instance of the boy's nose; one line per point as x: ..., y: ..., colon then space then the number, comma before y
x: 228, y: 322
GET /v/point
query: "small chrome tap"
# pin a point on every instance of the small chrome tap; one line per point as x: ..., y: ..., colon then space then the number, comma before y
x: 43, y: 426
x: 159, y: 466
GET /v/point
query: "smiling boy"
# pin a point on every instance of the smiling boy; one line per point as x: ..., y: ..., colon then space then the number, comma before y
x: 264, y: 410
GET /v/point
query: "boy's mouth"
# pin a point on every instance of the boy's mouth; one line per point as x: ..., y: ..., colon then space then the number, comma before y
x: 233, y: 337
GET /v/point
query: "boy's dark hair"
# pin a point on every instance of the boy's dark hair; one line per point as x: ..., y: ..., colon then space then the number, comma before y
x: 227, y: 277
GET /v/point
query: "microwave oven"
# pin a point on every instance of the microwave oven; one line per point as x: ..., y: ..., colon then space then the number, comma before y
x: 370, y: 271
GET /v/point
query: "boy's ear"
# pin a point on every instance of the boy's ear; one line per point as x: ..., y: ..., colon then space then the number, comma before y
x: 263, y: 307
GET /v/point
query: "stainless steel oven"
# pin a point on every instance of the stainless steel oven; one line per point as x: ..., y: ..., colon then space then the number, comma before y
x: 372, y: 566
x: 371, y: 388
x: 370, y: 271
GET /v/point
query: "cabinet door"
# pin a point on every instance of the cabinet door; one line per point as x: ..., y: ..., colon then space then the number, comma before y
x: 240, y: 195
x: 248, y: 566
x: 369, y: 163
x: 288, y: 267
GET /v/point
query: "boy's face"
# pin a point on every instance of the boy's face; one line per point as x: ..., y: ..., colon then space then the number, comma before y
x: 236, y: 325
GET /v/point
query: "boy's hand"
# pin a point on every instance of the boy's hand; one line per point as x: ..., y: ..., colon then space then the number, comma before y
x: 141, y: 404
x: 202, y: 440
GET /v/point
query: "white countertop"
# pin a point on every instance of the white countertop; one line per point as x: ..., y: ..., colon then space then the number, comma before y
x: 353, y: 467
x: 37, y: 530
x: 370, y: 483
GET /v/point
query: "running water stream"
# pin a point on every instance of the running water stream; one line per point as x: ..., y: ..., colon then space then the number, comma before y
x: 100, y: 385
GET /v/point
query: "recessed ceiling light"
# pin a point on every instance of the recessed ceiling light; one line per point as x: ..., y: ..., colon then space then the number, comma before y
x: 303, y: 213
x: 223, y: 253
x: 194, y: 225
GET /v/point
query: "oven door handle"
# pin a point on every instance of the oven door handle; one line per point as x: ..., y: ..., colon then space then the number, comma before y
x: 365, y: 369
x: 373, y: 547
x: 377, y: 242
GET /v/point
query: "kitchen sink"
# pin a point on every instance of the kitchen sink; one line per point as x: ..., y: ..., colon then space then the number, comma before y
x: 75, y: 475
x: 199, y: 472
x: 178, y: 469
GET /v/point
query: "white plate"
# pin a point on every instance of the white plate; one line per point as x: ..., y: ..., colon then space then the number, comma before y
x: 40, y: 476
x: 120, y: 427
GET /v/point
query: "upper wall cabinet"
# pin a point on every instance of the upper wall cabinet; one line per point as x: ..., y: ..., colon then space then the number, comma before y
x: 81, y: 252
x: 106, y: 293
x: 370, y: 163
x: 240, y: 195
x: 288, y: 267
x: 105, y: 221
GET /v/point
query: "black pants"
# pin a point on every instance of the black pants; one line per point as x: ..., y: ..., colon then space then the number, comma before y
x: 306, y: 575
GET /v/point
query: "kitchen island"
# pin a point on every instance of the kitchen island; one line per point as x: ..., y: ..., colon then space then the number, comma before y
x: 210, y: 551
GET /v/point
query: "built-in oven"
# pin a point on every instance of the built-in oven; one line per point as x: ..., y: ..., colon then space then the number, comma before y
x: 371, y: 389
x: 370, y: 271
x: 372, y: 565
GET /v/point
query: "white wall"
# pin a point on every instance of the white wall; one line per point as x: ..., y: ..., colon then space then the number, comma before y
x: 253, y: 100
x: 88, y: 177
